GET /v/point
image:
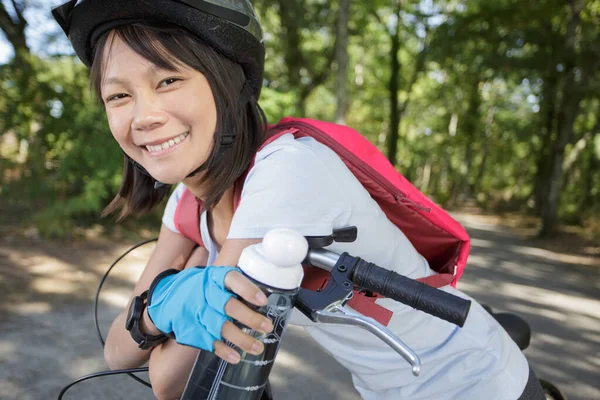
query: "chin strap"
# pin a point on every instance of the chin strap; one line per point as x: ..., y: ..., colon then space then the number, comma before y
x: 157, y: 184
x: 227, y: 140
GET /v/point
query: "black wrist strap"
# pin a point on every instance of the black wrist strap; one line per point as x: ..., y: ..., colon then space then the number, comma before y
x: 143, y: 340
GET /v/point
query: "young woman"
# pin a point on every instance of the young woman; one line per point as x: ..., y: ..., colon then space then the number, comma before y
x: 180, y: 81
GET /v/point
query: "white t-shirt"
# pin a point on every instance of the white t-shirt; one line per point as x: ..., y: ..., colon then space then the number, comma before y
x: 303, y: 185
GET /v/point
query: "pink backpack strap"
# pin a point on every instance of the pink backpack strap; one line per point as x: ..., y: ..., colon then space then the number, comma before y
x: 439, y: 280
x: 317, y: 278
x: 187, y: 217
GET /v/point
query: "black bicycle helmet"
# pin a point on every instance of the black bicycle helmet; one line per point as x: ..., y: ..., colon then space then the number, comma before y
x: 230, y: 26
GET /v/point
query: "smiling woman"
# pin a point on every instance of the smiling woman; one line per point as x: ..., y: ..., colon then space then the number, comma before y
x: 180, y: 82
x: 187, y: 94
x: 149, y: 107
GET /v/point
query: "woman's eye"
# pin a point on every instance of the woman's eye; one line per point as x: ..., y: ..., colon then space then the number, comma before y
x: 116, y: 97
x: 169, y: 81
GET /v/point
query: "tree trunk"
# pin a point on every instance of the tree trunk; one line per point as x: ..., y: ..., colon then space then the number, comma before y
x: 570, y: 107
x: 550, y: 209
x: 426, y: 178
x: 576, y: 152
x: 392, y: 139
x: 398, y: 109
x: 592, y: 168
x: 471, y: 125
x: 548, y: 129
x: 341, y: 57
x: 14, y: 28
x: 292, y: 20
x: 289, y: 14
x: 489, y: 122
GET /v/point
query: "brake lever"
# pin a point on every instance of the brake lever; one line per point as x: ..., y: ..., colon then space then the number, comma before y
x: 340, y: 315
x: 326, y: 305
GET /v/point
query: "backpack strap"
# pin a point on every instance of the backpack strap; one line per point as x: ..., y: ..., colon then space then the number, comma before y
x: 316, y: 279
x: 187, y: 216
x: 439, y: 280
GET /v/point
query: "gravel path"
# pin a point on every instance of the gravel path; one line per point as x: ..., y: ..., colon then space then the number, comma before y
x: 47, y: 336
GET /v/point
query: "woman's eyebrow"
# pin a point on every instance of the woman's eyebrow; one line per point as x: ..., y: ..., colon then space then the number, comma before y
x: 152, y: 70
x: 112, y: 80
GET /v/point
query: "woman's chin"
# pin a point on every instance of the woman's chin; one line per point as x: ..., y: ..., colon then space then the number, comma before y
x: 168, y: 180
x: 169, y: 177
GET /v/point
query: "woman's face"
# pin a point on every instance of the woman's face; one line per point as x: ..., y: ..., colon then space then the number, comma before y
x: 163, y: 120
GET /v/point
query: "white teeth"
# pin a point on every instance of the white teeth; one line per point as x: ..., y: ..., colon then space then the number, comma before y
x: 167, y: 144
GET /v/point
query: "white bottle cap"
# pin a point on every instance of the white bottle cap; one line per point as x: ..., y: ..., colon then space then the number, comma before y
x: 276, y: 262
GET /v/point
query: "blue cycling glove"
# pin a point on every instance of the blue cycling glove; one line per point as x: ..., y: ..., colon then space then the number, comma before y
x: 190, y: 304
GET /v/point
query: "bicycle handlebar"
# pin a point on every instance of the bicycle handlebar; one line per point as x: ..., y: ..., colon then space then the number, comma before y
x: 390, y: 284
x: 407, y: 291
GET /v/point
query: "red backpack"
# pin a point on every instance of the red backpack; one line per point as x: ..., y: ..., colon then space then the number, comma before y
x: 434, y: 234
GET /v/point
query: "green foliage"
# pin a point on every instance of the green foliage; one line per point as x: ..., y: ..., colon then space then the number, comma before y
x: 482, y: 122
x: 277, y: 105
x: 72, y: 166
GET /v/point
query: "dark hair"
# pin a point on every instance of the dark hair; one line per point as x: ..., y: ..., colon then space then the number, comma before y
x: 169, y: 46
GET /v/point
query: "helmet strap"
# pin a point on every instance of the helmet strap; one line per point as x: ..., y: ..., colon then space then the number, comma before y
x: 157, y: 184
x: 227, y: 139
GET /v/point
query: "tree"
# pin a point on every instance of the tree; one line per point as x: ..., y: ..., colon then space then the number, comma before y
x: 576, y: 77
x: 341, y: 61
x: 13, y: 26
x: 398, y: 107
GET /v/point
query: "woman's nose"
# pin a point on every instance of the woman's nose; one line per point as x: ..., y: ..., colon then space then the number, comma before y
x: 148, y: 115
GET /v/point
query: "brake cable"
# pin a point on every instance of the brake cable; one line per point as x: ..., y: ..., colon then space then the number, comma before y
x: 102, y: 342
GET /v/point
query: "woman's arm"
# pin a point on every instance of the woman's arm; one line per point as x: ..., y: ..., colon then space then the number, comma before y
x: 171, y: 363
x: 172, y: 251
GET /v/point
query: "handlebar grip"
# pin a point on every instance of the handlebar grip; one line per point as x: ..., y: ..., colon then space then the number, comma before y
x: 410, y: 292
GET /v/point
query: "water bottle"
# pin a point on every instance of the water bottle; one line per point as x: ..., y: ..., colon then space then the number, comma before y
x: 275, y: 267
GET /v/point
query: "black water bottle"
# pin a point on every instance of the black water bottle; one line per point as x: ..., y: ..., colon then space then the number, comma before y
x: 275, y: 267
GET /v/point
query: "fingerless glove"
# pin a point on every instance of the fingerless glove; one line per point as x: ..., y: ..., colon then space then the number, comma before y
x: 189, y: 305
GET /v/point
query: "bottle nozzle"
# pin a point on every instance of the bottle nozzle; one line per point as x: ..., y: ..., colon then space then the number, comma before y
x: 284, y: 247
x: 277, y: 261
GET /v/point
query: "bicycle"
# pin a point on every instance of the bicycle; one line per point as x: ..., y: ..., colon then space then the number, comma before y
x: 326, y: 306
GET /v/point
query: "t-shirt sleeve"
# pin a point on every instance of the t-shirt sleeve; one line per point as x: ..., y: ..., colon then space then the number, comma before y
x: 290, y: 186
x: 169, y: 215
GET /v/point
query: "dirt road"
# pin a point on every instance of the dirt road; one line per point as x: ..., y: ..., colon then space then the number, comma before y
x: 47, y: 335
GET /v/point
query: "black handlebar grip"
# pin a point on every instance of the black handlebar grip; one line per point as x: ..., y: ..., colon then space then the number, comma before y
x: 410, y: 292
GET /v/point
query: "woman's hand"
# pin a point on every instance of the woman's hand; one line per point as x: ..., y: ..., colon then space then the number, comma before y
x: 196, y: 306
x: 240, y: 285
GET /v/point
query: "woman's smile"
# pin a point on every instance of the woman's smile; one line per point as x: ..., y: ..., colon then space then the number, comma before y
x: 162, y: 147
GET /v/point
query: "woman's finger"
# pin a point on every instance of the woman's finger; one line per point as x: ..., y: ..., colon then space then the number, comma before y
x: 225, y: 352
x: 243, y: 314
x: 241, y: 339
x: 238, y: 284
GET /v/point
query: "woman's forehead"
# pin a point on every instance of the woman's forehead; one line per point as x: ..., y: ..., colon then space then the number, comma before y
x: 117, y: 51
x: 120, y: 59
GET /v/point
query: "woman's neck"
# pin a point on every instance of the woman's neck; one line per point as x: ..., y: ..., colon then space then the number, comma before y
x: 224, y: 207
x: 223, y: 210
x: 219, y: 219
x: 220, y: 216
